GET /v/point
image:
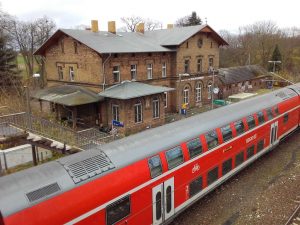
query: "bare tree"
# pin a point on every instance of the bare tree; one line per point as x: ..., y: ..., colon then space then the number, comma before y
x: 152, y: 24
x: 28, y: 36
x: 132, y: 22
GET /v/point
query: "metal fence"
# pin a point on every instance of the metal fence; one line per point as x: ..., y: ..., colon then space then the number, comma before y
x: 55, y: 131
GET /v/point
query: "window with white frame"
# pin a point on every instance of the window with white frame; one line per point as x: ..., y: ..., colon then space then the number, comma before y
x: 164, y: 69
x: 165, y: 99
x: 115, y: 113
x: 155, y: 107
x: 199, y: 65
x: 116, y: 74
x: 186, y: 95
x: 60, y: 72
x: 198, y: 92
x: 71, y: 73
x: 138, y: 113
x: 133, y: 71
x: 209, y: 90
x: 149, y: 70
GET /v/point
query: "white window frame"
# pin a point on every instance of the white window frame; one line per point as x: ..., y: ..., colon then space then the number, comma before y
x: 209, y: 91
x: 115, y: 112
x: 164, y: 70
x: 186, y: 95
x: 199, y: 65
x: 138, y: 107
x: 155, y: 108
x: 149, y: 71
x: 165, y: 99
x: 117, y: 73
x: 198, y: 92
x: 133, y: 71
x: 71, y: 73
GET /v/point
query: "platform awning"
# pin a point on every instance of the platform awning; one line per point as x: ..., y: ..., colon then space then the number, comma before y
x: 131, y: 89
x: 68, y: 95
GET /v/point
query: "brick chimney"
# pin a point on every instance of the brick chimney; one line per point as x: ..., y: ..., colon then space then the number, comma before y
x: 112, y: 27
x: 140, y: 28
x: 170, y: 26
x: 94, y: 24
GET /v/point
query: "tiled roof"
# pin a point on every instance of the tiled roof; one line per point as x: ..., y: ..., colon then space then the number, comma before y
x: 132, y: 42
x: 238, y: 74
x: 69, y: 95
x: 131, y: 89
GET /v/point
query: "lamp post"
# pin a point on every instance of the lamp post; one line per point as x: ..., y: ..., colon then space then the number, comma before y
x: 212, y: 88
x: 28, y: 108
x: 274, y: 65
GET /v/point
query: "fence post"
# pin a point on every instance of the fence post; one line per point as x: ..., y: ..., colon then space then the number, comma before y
x: 28, y: 109
x: 33, y: 155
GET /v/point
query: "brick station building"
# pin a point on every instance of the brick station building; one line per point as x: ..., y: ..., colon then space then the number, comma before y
x: 178, y: 61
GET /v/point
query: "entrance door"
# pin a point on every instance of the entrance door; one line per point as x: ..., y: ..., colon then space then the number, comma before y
x: 163, y: 201
x: 274, y: 133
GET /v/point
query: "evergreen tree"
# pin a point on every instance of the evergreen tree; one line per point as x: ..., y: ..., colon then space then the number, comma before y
x: 276, y: 56
x: 8, y: 67
x: 190, y: 20
x: 194, y: 20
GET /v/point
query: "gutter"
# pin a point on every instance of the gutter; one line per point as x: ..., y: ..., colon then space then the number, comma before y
x: 103, y: 72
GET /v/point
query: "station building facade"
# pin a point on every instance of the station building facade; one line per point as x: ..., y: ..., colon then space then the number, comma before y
x: 177, y: 65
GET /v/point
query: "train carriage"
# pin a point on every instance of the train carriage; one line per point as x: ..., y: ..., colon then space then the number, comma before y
x: 150, y: 177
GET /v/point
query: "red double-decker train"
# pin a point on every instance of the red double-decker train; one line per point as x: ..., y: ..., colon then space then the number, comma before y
x: 151, y: 177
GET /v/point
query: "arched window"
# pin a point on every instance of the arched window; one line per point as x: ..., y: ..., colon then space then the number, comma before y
x: 186, y: 94
x: 198, y: 92
x: 155, y: 107
x: 209, y: 90
x: 138, y: 112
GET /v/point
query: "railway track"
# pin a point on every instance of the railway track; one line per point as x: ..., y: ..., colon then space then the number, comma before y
x: 295, y: 217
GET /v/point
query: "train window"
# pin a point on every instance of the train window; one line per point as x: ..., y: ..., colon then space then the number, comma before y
x: 155, y: 166
x: 250, y: 151
x: 212, y: 176
x: 276, y: 110
x: 286, y: 118
x: 195, y: 147
x: 158, y: 205
x: 261, y: 118
x: 226, y: 133
x: 260, y: 145
x: 118, y: 210
x: 270, y: 113
x: 211, y: 139
x: 174, y: 157
x: 169, y: 198
x: 226, y: 166
x: 195, y: 186
x: 239, y: 126
x: 251, y: 122
x: 239, y: 159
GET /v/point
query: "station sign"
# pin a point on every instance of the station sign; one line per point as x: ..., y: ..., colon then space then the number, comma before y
x: 117, y: 123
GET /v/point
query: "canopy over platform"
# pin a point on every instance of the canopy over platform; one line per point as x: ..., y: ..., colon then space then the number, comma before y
x: 131, y: 89
x: 68, y: 95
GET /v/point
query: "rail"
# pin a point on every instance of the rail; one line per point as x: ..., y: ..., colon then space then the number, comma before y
x: 295, y: 217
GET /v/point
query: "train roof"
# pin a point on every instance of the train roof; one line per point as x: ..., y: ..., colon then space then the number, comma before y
x: 28, y: 187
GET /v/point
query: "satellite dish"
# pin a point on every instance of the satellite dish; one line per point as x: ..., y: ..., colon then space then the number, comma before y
x: 216, y: 90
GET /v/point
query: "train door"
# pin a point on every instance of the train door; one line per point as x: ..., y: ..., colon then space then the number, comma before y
x: 274, y: 133
x: 163, y: 201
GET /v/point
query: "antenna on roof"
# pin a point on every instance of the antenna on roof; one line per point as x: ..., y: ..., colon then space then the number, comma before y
x: 205, y: 20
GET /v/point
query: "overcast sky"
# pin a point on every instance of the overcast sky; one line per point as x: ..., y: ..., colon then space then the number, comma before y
x: 220, y: 14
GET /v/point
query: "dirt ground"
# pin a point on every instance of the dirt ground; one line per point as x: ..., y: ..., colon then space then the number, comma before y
x: 265, y: 193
